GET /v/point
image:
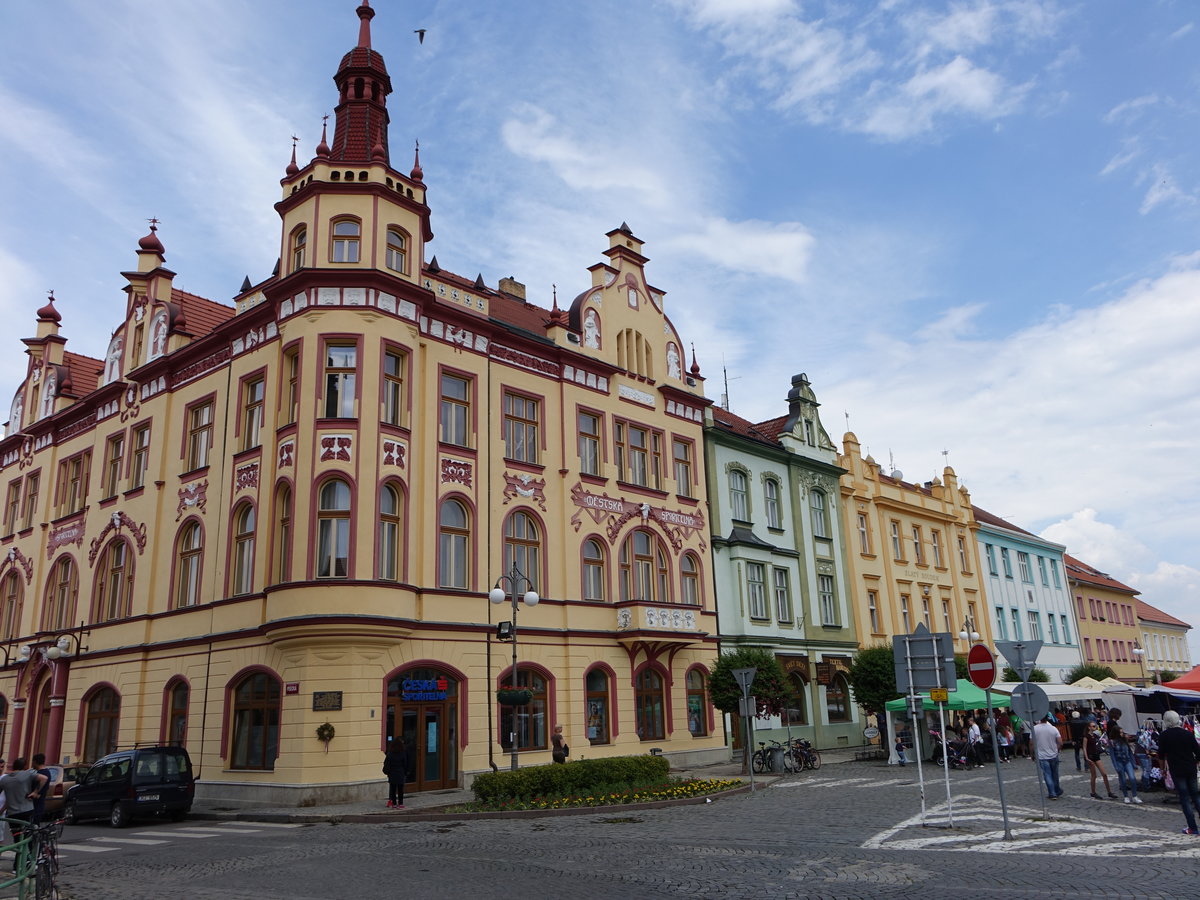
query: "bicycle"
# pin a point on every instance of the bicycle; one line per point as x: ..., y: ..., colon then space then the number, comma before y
x: 762, y: 758
x: 43, y: 847
x: 805, y: 756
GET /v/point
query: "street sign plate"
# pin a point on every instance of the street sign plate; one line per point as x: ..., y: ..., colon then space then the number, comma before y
x: 923, y: 660
x: 1030, y: 702
x: 1021, y: 655
x: 939, y: 695
x: 745, y: 678
x: 748, y: 707
x: 981, y: 667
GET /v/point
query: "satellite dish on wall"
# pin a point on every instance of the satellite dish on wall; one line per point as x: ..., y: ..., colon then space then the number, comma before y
x: 897, y: 474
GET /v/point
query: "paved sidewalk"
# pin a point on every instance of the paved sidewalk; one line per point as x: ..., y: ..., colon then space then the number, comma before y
x: 430, y: 801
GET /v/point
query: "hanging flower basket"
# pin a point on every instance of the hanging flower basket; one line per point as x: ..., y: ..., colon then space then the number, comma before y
x: 508, y: 696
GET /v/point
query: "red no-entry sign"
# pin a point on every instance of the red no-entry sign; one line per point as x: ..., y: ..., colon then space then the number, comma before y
x: 981, y: 667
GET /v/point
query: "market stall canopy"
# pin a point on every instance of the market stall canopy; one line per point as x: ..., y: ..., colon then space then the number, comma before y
x: 1087, y: 682
x: 964, y: 696
x: 1112, y: 682
x: 1189, y: 682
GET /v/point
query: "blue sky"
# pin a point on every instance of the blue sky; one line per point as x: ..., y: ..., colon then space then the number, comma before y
x: 972, y: 224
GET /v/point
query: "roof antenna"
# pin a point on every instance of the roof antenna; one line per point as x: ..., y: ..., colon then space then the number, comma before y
x: 946, y: 456
x: 846, y: 413
x: 725, y: 395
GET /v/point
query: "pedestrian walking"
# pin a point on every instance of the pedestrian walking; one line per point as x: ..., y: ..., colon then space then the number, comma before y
x: 1078, y: 730
x: 1120, y: 752
x: 900, y: 752
x: 1095, y: 760
x: 39, y: 802
x: 20, y: 786
x: 395, y: 767
x: 1047, y: 742
x: 559, y: 751
x: 1180, y: 754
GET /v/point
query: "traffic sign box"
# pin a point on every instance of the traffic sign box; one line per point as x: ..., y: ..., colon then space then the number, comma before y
x: 981, y: 667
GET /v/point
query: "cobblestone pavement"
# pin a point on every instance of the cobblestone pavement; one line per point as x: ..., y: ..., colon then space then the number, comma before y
x: 852, y: 831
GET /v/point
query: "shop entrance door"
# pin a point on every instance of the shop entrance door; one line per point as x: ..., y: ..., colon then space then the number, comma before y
x: 423, y: 709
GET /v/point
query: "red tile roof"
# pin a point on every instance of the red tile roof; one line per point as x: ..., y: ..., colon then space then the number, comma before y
x: 1154, y: 614
x: 1081, y: 571
x: 203, y: 316
x: 85, y: 372
x: 984, y: 517
x: 771, y: 429
x: 735, y: 424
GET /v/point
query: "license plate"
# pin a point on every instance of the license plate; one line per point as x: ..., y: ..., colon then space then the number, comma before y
x: 144, y: 797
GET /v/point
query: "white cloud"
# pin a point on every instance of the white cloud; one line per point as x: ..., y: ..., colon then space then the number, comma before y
x: 1128, y: 110
x: 1163, y: 189
x: 1181, y: 31
x: 1099, y: 544
x: 1122, y: 159
x: 778, y: 250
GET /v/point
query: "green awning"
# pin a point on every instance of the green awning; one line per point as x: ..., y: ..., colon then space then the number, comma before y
x: 964, y: 696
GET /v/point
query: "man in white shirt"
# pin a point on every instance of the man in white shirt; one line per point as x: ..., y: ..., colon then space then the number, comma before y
x: 1047, y: 742
x: 975, y: 740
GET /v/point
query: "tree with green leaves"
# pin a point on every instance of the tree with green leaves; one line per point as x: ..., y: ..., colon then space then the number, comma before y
x: 960, y: 667
x: 873, y: 677
x: 1164, y: 676
x: 1090, y: 670
x: 771, y: 690
x: 1038, y: 675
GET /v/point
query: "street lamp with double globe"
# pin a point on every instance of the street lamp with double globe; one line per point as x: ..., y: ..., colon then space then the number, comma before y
x: 514, y: 581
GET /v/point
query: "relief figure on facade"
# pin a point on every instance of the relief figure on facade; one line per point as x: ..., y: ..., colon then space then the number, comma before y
x: 673, y: 367
x: 112, y: 359
x: 591, y: 330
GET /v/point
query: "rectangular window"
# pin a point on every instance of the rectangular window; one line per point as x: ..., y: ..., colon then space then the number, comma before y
x: 73, y: 476
x: 681, y: 452
x: 12, y: 506
x: 873, y: 611
x: 393, y: 387
x: 638, y: 455
x: 1066, y: 629
x: 783, y: 595
x: 829, y: 614
x: 32, y: 486
x: 897, y: 544
x: 864, y: 535
x: 114, y: 456
x: 341, y: 374
x: 1006, y: 561
x: 455, y: 410
x: 962, y: 556
x: 1016, y: 623
x: 291, y: 396
x: 918, y: 550
x: 1001, y: 627
x: 1079, y: 606
x: 771, y: 497
x: 1054, y: 572
x: 252, y: 413
x: 1023, y: 564
x: 935, y: 544
x: 520, y: 428
x: 140, y: 463
x: 1087, y: 647
x: 1042, y: 571
x: 1053, y: 623
x: 927, y: 613
x: 904, y: 614
x: 200, y: 428
x: 756, y: 590
x: 946, y: 615
x: 991, y: 558
x: 589, y: 443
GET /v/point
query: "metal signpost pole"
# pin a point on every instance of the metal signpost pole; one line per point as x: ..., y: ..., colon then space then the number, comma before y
x: 945, y: 761
x: 745, y: 679
x: 916, y: 709
x: 981, y: 669
x: 1033, y: 752
x: 996, y: 758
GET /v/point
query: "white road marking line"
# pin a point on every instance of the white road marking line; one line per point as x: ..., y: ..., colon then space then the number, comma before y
x: 275, y: 824
x: 224, y: 829
x: 83, y: 848
x: 138, y: 841
x: 174, y: 832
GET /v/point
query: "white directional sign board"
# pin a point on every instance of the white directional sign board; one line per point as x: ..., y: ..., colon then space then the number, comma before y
x: 924, y: 660
x: 1021, y: 655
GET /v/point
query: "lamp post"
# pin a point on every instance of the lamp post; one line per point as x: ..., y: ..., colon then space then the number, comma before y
x: 514, y: 581
x: 1140, y: 654
x: 968, y: 632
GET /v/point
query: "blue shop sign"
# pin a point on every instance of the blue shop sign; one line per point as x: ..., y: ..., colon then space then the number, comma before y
x: 423, y: 689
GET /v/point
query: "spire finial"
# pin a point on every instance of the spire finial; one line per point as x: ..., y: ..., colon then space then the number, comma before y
x: 365, y: 15
x: 695, y: 369
x: 554, y: 289
x: 151, y: 242
x: 417, y: 174
x: 48, y: 312
x: 323, y: 147
x: 292, y: 168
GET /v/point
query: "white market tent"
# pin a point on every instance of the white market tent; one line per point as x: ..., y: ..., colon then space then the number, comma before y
x: 1057, y: 693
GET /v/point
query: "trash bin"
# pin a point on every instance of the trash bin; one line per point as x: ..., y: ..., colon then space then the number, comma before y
x: 776, y: 759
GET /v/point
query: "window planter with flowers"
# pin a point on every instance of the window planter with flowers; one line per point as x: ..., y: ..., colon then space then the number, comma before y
x: 508, y: 695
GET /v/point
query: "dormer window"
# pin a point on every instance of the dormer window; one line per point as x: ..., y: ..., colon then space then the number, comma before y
x: 397, y: 251
x: 346, y: 234
x: 299, y: 245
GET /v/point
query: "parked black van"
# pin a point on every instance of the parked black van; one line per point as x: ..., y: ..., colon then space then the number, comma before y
x: 143, y: 781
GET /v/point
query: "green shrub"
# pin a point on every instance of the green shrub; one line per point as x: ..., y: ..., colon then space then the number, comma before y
x: 583, y: 776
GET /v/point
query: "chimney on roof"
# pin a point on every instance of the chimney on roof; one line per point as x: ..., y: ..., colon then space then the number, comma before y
x: 512, y: 287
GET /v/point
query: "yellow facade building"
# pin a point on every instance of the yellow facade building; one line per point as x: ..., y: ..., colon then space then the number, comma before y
x: 1107, y: 614
x: 249, y: 521
x: 1165, y: 640
x: 911, y: 552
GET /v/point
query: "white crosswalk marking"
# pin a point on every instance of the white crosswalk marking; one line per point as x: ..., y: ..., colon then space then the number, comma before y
x: 276, y: 824
x: 224, y: 829
x: 174, y: 832
x: 144, y: 842
x: 64, y: 849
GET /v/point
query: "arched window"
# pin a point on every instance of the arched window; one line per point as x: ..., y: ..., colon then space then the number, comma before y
x: 281, y: 565
x: 739, y: 499
x: 389, y: 533
x: 333, y: 530
x: 689, y: 580
x: 61, y: 594
x: 643, y: 563
x: 530, y: 725
x: 522, y: 546
x: 102, y: 712
x: 189, y: 558
x: 255, y: 723
x: 299, y: 246
x: 454, y: 537
x: 243, y: 550
x: 11, y: 594
x: 175, y: 713
x: 771, y: 496
x: 797, y: 704
x: 345, y: 237
x: 837, y: 703
x: 697, y: 704
x: 114, y: 583
x: 597, y: 706
x: 820, y: 515
x: 397, y: 251
x: 651, y: 709
x: 595, y: 579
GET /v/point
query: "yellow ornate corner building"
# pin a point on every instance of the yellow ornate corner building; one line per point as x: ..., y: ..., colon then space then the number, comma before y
x: 246, y: 522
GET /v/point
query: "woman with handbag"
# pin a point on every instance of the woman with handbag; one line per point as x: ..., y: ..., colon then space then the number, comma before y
x: 1120, y: 752
x: 1095, y: 755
